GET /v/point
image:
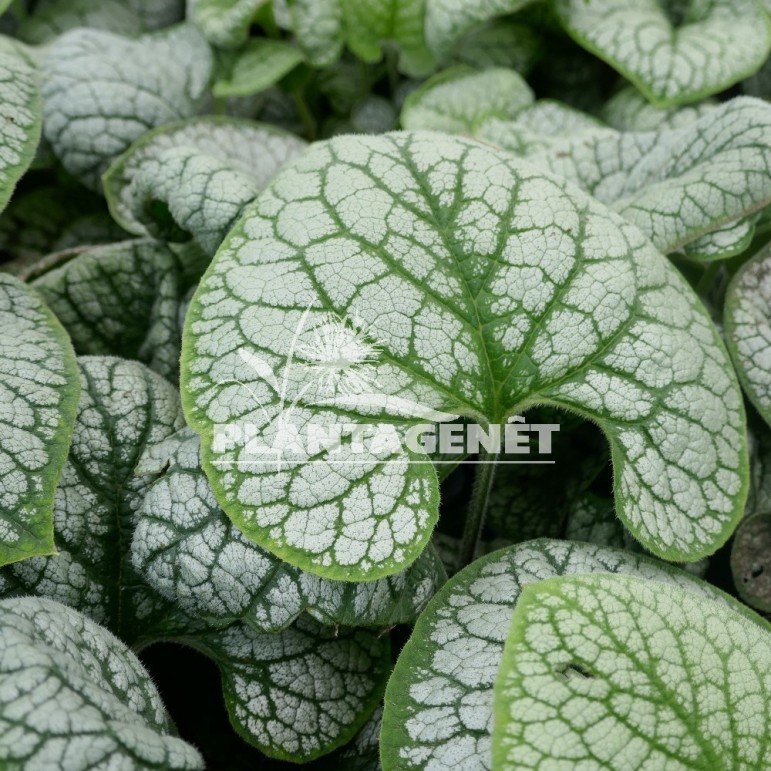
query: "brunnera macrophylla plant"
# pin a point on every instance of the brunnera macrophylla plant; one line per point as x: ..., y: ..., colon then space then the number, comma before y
x: 408, y: 361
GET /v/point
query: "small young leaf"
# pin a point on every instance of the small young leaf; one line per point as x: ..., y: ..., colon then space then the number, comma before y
x: 20, y: 116
x: 748, y: 328
x: 195, y: 177
x: 190, y: 552
x: 102, y: 91
x: 371, y: 23
x: 38, y: 401
x: 224, y: 23
x: 259, y: 64
x: 300, y: 693
x: 674, y: 52
x: 727, y: 241
x: 122, y: 299
x: 447, y: 21
x: 439, y: 701
x: 124, y: 408
x: 459, y: 99
x: 612, y: 672
x: 318, y: 26
x: 75, y: 697
x: 479, y: 287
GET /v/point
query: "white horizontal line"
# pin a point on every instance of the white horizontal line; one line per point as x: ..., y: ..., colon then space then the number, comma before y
x: 383, y: 462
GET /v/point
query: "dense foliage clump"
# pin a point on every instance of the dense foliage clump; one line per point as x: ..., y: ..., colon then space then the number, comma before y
x: 385, y: 384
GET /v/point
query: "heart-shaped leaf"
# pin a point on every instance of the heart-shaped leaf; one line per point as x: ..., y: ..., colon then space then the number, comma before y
x: 439, y: 701
x: 20, y: 116
x: 191, y: 553
x: 121, y: 299
x: 75, y: 697
x: 300, y: 693
x: 748, y: 328
x: 674, y: 52
x: 38, y: 401
x: 163, y: 184
x: 102, y: 91
x: 612, y: 672
x: 414, y: 276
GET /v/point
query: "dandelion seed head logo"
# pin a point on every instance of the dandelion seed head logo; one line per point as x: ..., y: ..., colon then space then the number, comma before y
x: 339, y: 355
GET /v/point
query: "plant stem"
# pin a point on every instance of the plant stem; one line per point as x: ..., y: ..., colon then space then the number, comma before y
x: 475, y: 515
x: 705, y: 282
x: 306, y: 116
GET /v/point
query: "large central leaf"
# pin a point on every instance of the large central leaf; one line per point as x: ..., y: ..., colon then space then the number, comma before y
x: 410, y: 276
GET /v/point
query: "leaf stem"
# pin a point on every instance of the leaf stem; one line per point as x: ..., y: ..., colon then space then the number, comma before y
x: 306, y: 116
x: 475, y: 515
x: 707, y: 278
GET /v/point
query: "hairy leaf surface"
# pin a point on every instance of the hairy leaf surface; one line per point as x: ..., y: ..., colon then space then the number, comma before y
x: 38, y: 401
x: 439, y: 701
x: 102, y: 91
x: 465, y: 283
x: 75, y: 697
x: 674, y: 52
x: 610, y: 671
